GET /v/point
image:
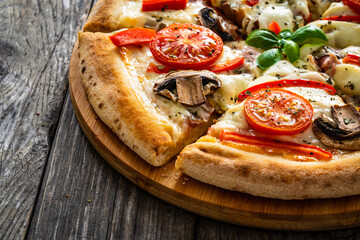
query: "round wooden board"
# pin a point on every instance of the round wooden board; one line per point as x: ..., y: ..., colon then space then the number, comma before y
x: 172, y: 186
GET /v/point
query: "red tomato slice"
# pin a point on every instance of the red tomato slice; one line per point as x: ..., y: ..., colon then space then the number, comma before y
x: 287, y: 83
x: 132, y: 36
x: 343, y: 18
x: 185, y: 46
x: 278, y: 111
x: 352, y: 59
x: 276, y: 146
x: 227, y: 66
x: 353, y: 4
x: 274, y: 26
x: 157, y: 5
x: 252, y: 2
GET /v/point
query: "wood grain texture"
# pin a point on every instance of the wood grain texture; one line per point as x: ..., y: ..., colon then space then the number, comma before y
x: 171, y: 185
x: 82, y: 197
x: 36, y: 38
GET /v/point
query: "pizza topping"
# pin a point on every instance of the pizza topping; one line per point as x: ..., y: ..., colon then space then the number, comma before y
x: 184, y: 46
x: 273, y: 26
x: 132, y: 36
x: 285, y: 43
x: 161, y: 5
x: 272, y: 146
x: 286, y: 83
x: 343, y: 18
x: 342, y: 131
x: 325, y: 60
x: 188, y: 87
x: 352, y: 59
x: 353, y: 4
x: 278, y: 111
x: 227, y: 66
x: 209, y: 18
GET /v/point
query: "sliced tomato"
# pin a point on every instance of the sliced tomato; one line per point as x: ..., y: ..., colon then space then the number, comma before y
x: 133, y: 36
x: 352, y: 59
x: 274, y: 26
x: 287, y: 83
x: 158, y: 68
x: 278, y: 111
x: 227, y: 66
x: 353, y: 4
x: 157, y: 5
x: 252, y: 2
x: 343, y: 18
x: 275, y: 146
x: 184, y: 46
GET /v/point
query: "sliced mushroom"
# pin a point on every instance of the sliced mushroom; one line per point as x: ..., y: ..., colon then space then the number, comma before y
x: 342, y: 131
x: 188, y: 87
x: 210, y: 18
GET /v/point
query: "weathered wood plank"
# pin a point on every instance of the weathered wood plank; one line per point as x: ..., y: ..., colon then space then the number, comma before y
x: 82, y: 197
x: 210, y: 229
x: 36, y: 39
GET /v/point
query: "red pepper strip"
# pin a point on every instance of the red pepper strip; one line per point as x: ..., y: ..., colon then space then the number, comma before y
x: 252, y: 2
x: 352, y: 59
x: 132, y: 36
x: 287, y: 83
x: 158, y: 68
x: 275, y: 145
x: 353, y: 4
x: 274, y: 26
x: 343, y: 18
x: 227, y: 66
x: 157, y: 5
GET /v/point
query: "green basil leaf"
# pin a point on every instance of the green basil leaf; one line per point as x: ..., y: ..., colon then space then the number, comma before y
x: 269, y: 58
x: 285, y: 34
x: 262, y: 38
x: 292, y: 50
x: 309, y: 34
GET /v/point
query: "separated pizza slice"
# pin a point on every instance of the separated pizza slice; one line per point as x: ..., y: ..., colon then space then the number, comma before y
x: 287, y: 138
x: 158, y: 95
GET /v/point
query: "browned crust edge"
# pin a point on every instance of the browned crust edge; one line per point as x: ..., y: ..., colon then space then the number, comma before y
x: 270, y: 176
x: 118, y: 101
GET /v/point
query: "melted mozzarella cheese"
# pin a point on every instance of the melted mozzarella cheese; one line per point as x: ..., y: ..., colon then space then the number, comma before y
x: 340, y: 34
x: 130, y: 15
x: 284, y: 69
x: 347, y: 78
x: 280, y: 14
x: 234, y: 119
x: 338, y: 9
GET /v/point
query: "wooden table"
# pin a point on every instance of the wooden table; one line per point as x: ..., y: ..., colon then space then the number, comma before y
x: 53, y: 183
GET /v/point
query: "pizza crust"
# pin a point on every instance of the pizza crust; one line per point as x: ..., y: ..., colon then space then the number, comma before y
x: 270, y: 176
x: 117, y: 98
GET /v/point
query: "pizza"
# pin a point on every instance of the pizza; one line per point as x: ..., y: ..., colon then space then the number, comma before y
x: 260, y: 97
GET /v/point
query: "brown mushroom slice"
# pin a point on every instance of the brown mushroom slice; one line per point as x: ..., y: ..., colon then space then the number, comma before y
x: 342, y: 131
x: 188, y: 87
x: 213, y: 20
x: 345, y: 144
x: 346, y: 117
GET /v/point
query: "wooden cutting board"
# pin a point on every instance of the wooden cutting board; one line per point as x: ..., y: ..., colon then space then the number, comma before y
x: 170, y: 185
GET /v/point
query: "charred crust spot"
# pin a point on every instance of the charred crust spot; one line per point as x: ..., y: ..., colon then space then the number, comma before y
x: 244, y: 170
x: 116, y: 120
x: 327, y: 185
x: 101, y: 105
x: 83, y: 69
x: 83, y: 61
x: 94, y: 84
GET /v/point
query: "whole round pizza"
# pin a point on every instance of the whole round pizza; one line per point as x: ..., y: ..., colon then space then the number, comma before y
x: 260, y: 97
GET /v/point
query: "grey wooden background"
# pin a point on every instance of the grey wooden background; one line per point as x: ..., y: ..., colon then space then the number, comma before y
x: 53, y: 184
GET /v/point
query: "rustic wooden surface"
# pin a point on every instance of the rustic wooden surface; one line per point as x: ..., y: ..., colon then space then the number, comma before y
x: 53, y: 184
